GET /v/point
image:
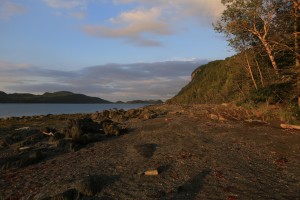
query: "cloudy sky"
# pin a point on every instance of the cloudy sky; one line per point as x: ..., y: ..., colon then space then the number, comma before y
x: 113, y: 49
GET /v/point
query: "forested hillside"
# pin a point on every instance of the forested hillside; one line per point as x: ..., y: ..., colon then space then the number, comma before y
x: 216, y: 82
x: 265, y: 35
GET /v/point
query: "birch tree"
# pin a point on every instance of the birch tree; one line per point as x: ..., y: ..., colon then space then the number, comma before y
x: 251, y: 21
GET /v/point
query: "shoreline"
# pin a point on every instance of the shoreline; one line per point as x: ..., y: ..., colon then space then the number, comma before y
x: 59, y: 109
x: 199, y: 151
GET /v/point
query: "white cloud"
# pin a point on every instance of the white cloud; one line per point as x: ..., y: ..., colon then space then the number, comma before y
x: 147, y: 20
x: 133, y: 26
x: 155, y: 18
x: 8, y: 9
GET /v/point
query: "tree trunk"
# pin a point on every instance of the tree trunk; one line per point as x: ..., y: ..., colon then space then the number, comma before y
x: 259, y: 70
x: 270, y: 54
x: 250, y: 70
x: 260, y: 74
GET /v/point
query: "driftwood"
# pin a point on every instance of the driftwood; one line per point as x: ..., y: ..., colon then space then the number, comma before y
x: 23, y: 128
x: 168, y: 119
x: 289, y: 126
x: 151, y: 172
x: 49, y: 134
x: 24, y: 148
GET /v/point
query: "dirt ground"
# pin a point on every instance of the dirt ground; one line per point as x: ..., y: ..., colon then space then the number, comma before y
x: 199, y: 152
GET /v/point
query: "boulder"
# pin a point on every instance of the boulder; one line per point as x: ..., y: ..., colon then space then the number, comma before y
x: 147, y: 114
x: 4, y: 142
x: 30, y: 158
x: 111, y: 129
x: 61, y: 144
x: 24, y: 159
x: 115, y: 115
x: 77, y: 128
x: 132, y: 113
x: 90, y: 137
x: 56, y: 136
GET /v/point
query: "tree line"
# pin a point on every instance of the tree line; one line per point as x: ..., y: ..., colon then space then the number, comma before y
x: 266, y: 34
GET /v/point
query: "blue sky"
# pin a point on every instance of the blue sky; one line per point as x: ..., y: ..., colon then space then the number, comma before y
x: 53, y: 45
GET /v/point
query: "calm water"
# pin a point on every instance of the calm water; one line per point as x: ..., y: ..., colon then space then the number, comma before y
x: 17, y: 110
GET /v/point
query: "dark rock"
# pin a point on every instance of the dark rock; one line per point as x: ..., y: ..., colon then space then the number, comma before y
x: 33, y: 139
x: 90, y: 185
x: 62, y: 144
x: 30, y: 158
x: 95, y: 116
x: 4, y: 143
x: 105, y: 121
x: 18, y: 136
x: 111, y: 129
x: 74, y: 147
x: 148, y: 114
x: 56, y: 136
x: 133, y: 113
x: 77, y: 128
x: 115, y: 115
x: 23, y: 160
x: 89, y: 138
x: 105, y: 113
x: 71, y: 194
x: 98, y: 117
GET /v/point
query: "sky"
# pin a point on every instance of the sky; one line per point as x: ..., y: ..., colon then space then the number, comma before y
x: 112, y: 49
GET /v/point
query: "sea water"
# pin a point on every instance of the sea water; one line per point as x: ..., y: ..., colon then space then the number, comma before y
x: 18, y: 110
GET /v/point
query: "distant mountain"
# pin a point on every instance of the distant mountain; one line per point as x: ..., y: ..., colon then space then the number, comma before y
x: 55, y: 97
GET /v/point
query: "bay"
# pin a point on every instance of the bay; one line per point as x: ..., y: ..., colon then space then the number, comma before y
x: 18, y: 110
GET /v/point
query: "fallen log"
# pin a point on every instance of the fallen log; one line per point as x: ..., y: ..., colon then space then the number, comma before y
x: 46, y: 133
x: 289, y: 126
x: 24, y: 148
x: 151, y: 172
x: 22, y: 129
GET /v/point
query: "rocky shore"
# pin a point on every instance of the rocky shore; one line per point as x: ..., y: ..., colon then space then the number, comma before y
x: 156, y: 152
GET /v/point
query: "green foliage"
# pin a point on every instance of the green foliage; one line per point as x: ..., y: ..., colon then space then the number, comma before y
x: 275, y: 93
x: 216, y: 82
x: 228, y: 81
